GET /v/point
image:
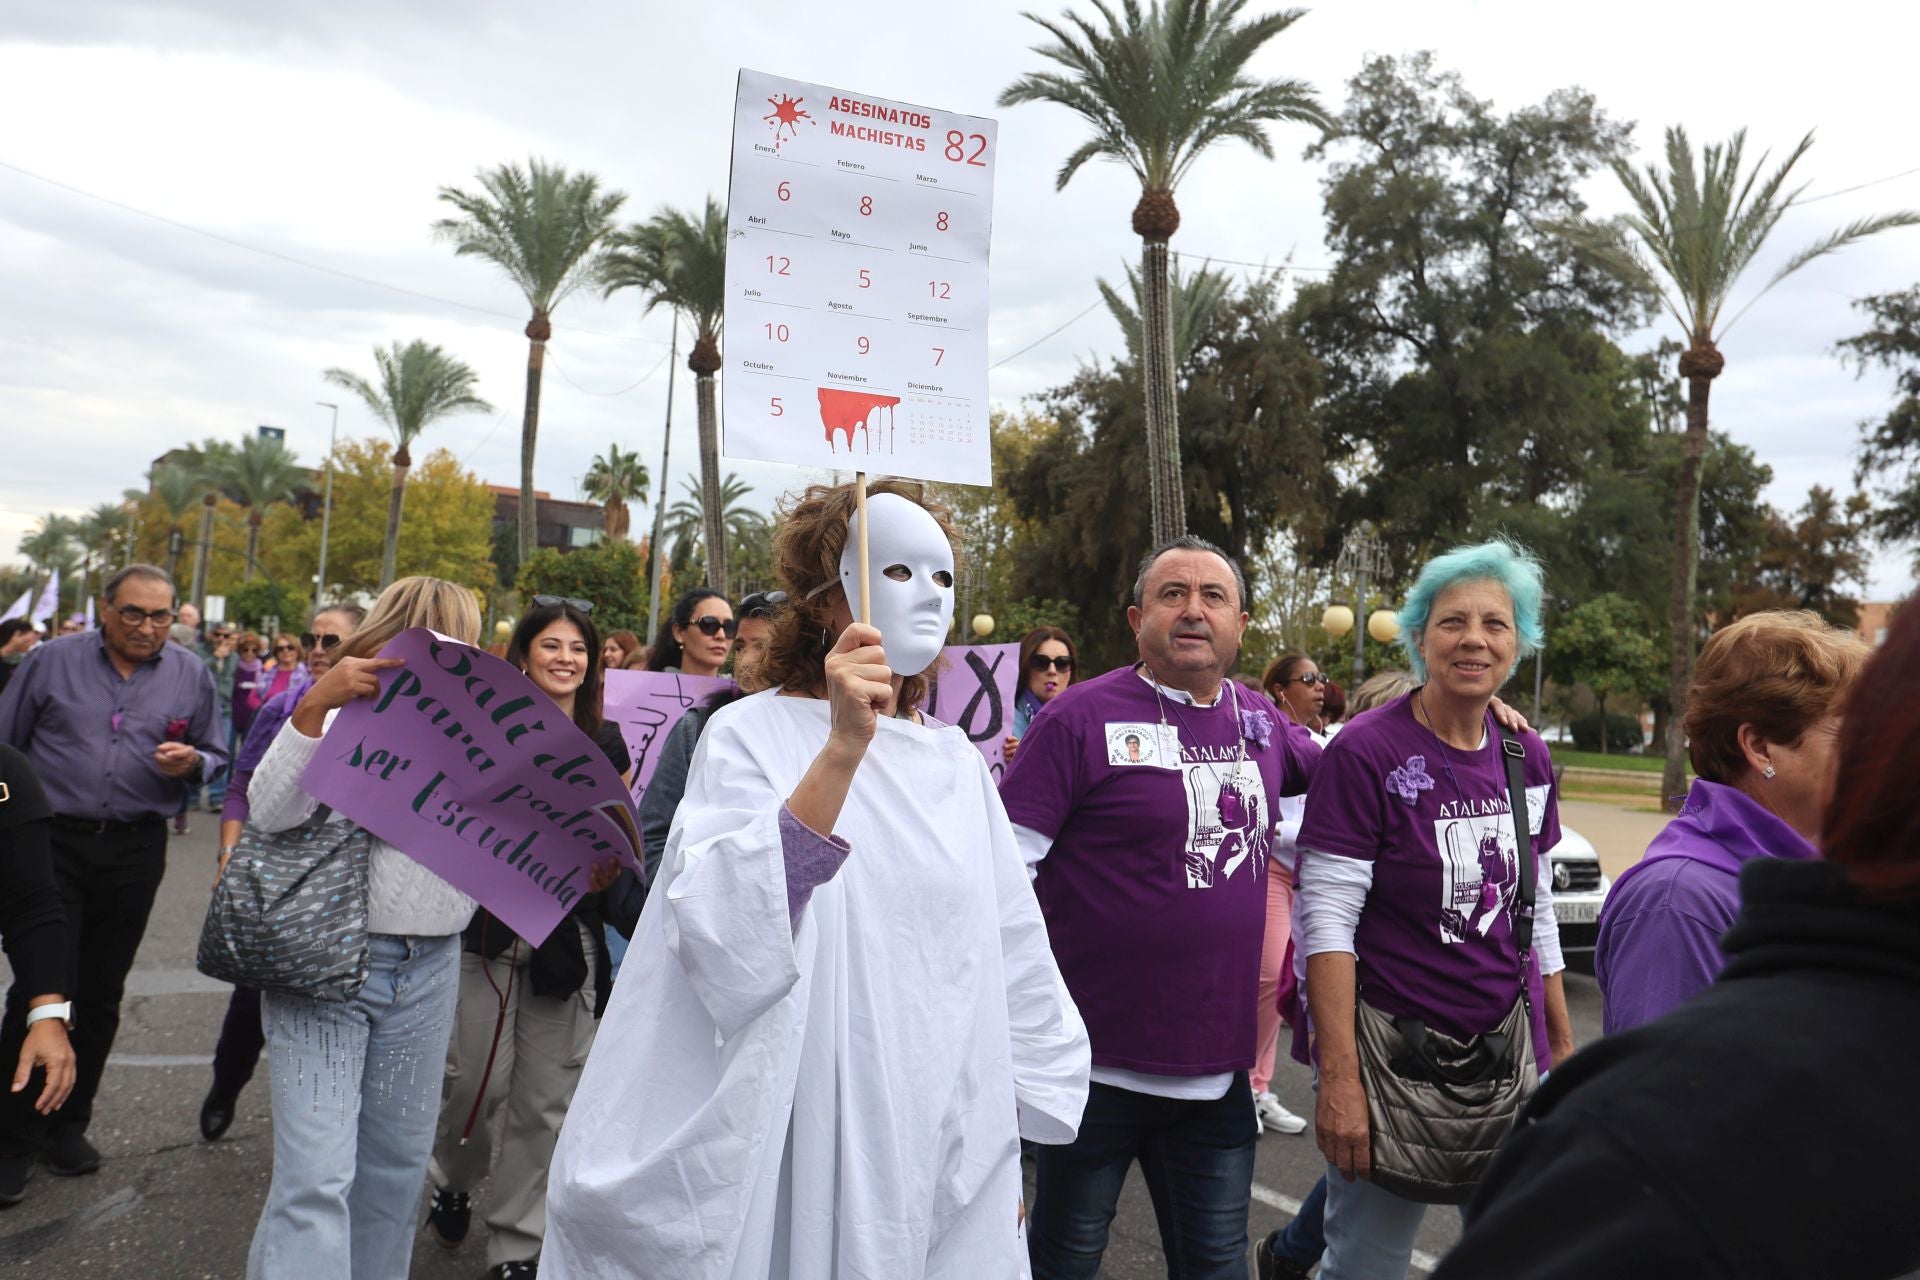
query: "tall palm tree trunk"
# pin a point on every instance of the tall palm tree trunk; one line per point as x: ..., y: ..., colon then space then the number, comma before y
x: 705, y: 362
x: 203, y: 552
x: 1700, y: 365
x: 254, y: 520
x: 1156, y: 218
x: 654, y: 547
x: 390, y: 550
x: 539, y: 329
x: 173, y: 554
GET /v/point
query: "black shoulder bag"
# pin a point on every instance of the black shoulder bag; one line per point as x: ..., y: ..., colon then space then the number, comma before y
x: 1438, y: 1108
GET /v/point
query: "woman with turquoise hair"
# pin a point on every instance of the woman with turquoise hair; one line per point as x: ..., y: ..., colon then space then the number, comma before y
x: 1409, y: 881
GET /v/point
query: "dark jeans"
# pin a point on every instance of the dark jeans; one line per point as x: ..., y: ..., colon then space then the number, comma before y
x: 1198, y: 1162
x: 241, y: 1039
x: 1305, y: 1238
x: 107, y: 885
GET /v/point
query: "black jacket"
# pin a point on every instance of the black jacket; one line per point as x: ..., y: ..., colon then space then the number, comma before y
x: 558, y: 967
x: 1768, y: 1128
x: 33, y: 923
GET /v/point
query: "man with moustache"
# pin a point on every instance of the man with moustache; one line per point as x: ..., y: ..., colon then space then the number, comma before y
x: 1119, y: 797
x: 118, y: 724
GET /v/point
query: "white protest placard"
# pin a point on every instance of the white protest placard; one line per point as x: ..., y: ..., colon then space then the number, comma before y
x: 855, y: 333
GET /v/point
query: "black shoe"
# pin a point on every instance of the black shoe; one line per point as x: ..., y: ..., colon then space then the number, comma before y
x: 1273, y: 1265
x: 69, y: 1154
x: 14, y: 1172
x: 514, y: 1270
x: 216, y: 1115
x: 448, y: 1217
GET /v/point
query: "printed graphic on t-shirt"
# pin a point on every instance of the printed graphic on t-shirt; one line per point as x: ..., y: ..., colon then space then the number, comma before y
x: 1229, y: 822
x: 1479, y: 867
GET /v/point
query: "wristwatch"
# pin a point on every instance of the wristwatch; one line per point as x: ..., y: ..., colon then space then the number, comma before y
x: 62, y: 1011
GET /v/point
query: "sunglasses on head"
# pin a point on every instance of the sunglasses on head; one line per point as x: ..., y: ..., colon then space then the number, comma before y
x: 713, y: 625
x: 548, y: 602
x: 328, y: 642
x: 1041, y: 662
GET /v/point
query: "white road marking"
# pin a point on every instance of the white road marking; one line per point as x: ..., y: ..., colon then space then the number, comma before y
x: 1422, y: 1260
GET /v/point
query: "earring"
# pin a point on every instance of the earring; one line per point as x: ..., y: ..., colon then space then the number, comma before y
x: 1767, y: 772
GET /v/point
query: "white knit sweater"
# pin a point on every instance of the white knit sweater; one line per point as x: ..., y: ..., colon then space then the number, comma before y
x: 403, y: 897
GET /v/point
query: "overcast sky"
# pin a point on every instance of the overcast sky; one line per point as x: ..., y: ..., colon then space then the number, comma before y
x: 322, y: 132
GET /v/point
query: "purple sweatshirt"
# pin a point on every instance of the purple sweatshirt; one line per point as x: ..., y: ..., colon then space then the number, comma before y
x: 1660, y: 930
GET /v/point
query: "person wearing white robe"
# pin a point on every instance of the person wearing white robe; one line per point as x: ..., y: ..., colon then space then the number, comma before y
x: 825, y: 1047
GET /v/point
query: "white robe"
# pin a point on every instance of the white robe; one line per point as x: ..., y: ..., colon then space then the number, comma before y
x: 840, y: 1101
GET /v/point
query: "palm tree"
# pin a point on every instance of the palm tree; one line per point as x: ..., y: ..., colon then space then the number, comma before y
x: 687, y: 520
x: 616, y: 478
x: 258, y: 473
x: 95, y: 532
x: 418, y: 383
x: 543, y: 227
x: 50, y: 544
x: 1158, y: 87
x: 1703, y: 226
x: 1193, y: 299
x: 176, y: 489
x: 680, y: 261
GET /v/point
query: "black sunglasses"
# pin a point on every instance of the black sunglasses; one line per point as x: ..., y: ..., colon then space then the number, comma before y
x: 713, y: 625
x: 1311, y: 678
x: 1041, y: 662
x: 328, y: 642
x: 547, y: 602
x: 286, y: 648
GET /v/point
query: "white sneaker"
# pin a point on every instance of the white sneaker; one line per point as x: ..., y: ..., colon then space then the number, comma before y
x: 1273, y: 1116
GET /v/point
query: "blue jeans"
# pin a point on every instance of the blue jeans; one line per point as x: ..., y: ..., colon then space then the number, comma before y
x: 1303, y: 1240
x: 356, y: 1088
x: 1198, y: 1162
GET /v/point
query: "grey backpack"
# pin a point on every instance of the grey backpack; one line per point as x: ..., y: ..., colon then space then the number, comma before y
x: 290, y: 912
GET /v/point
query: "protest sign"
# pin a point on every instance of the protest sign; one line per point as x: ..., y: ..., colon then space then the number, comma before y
x: 646, y: 705
x: 464, y: 765
x: 856, y: 291
x: 973, y: 688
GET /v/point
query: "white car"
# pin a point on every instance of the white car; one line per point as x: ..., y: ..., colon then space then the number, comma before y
x: 1579, y: 891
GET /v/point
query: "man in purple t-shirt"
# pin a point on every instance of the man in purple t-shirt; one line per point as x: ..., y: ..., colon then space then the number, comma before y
x: 1145, y: 802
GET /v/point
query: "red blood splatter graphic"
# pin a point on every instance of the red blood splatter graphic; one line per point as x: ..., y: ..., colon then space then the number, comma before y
x: 844, y: 412
x: 786, y: 117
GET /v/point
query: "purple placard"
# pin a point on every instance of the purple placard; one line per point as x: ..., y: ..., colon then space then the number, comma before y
x: 974, y: 690
x: 464, y: 765
x: 646, y: 705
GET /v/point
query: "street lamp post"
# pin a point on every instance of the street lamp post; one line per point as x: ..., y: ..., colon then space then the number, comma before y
x: 1362, y: 556
x: 326, y: 505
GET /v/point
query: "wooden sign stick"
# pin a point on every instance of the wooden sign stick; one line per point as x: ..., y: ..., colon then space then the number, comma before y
x: 860, y: 511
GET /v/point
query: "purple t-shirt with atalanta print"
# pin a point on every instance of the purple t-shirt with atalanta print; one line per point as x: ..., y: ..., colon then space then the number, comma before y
x: 1161, y: 815
x: 1435, y: 938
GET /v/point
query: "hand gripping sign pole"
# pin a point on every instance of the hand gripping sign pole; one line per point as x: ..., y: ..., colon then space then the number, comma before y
x: 856, y: 287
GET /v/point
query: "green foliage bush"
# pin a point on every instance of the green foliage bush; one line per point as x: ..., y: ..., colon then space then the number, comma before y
x: 610, y: 574
x: 250, y: 603
x: 1623, y: 732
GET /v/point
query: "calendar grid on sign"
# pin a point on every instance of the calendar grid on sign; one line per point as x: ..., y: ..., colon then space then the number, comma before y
x: 852, y: 268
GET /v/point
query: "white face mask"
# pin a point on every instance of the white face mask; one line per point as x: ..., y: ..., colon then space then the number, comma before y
x: 910, y: 575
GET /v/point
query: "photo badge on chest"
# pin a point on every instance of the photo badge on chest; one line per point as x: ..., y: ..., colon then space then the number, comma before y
x: 1137, y: 743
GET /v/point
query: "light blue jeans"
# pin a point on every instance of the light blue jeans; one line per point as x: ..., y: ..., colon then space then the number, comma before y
x: 356, y: 1088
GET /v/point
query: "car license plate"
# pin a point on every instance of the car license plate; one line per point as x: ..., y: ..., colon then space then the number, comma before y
x: 1576, y: 910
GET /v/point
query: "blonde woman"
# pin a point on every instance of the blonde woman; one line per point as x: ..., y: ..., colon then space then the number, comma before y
x: 356, y: 1085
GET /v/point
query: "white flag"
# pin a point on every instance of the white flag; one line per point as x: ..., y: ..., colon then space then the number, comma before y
x: 49, y: 606
x: 18, y: 609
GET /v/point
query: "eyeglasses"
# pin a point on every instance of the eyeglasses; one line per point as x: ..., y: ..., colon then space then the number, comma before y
x: 548, y: 602
x: 137, y: 618
x: 1041, y: 662
x: 286, y: 648
x: 328, y: 642
x: 713, y: 625
x: 1311, y: 678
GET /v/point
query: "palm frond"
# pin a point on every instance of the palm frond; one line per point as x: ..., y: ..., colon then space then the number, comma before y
x: 542, y: 226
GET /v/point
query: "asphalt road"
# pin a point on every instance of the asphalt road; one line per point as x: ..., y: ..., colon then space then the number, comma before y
x: 167, y: 1206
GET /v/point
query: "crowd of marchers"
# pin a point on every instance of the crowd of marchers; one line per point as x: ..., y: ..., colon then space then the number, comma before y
x: 861, y: 979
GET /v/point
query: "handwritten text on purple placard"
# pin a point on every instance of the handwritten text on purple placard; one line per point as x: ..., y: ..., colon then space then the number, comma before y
x: 466, y: 766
